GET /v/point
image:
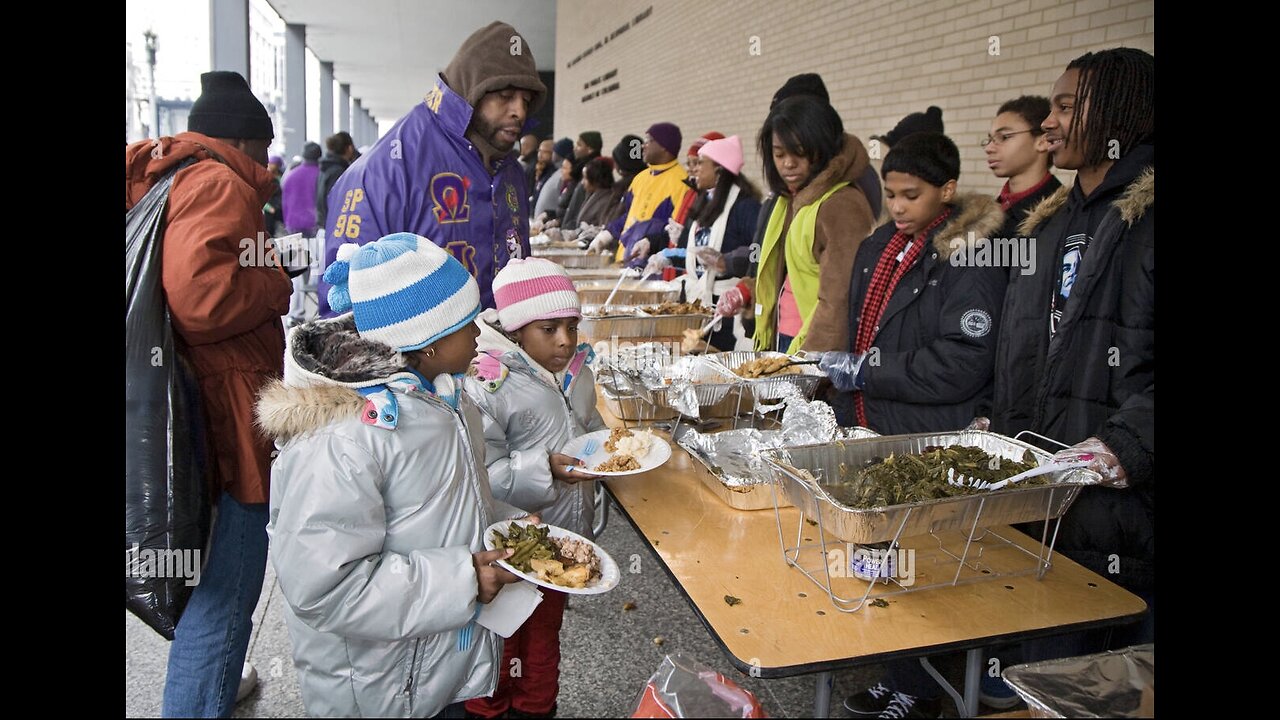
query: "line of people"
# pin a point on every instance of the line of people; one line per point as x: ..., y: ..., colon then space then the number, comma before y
x: 1032, y: 310
x: 426, y: 245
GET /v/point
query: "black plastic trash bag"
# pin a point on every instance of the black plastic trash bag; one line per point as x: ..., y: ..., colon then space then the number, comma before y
x: 167, y: 502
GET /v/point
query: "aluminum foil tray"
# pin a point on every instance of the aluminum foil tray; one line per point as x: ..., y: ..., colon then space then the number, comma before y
x: 573, y: 258
x: 773, y: 387
x: 1117, y: 683
x: 631, y: 292
x: 1012, y: 504
x: 738, y: 475
x: 629, y: 321
x: 598, y: 273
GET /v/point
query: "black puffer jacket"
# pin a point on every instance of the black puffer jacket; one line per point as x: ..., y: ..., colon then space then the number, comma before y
x: 931, y: 364
x: 1096, y: 377
x: 1017, y: 213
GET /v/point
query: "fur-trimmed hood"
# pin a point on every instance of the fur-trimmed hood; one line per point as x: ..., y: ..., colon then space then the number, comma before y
x: 326, y: 363
x: 971, y: 213
x: 847, y: 166
x: 1133, y: 203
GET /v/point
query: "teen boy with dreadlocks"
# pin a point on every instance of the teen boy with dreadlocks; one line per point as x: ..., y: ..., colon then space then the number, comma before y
x: 1075, y: 359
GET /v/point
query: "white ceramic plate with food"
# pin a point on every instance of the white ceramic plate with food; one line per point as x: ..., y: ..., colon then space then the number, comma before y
x: 590, y: 448
x: 609, y: 573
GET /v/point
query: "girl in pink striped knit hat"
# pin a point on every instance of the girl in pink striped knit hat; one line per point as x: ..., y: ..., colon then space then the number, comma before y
x: 536, y: 392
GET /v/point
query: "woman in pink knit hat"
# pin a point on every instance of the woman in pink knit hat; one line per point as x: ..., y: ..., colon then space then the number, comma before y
x: 723, y: 220
x: 536, y: 392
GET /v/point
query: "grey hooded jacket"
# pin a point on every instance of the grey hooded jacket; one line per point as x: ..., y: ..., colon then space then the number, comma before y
x: 529, y: 414
x: 372, y: 528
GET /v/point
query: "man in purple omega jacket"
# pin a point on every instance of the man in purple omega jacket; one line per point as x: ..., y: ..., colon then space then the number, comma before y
x: 448, y: 169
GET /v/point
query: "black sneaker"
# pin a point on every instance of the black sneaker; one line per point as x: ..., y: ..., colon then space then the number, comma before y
x: 870, y: 702
x: 902, y: 705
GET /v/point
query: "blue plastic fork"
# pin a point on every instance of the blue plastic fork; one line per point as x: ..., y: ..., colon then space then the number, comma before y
x: 591, y: 447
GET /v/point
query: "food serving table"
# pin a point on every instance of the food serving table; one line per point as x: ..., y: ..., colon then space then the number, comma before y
x: 785, y: 626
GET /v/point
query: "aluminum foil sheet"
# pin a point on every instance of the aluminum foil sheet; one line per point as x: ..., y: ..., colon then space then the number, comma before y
x: 1117, y: 683
x: 689, y: 384
x: 734, y: 455
x: 806, y: 422
x: 618, y: 377
x: 695, y: 383
x: 636, y: 359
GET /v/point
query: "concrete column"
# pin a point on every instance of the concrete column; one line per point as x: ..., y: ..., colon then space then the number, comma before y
x: 295, y: 89
x: 229, y: 36
x: 344, y: 107
x: 357, y: 122
x: 326, y: 101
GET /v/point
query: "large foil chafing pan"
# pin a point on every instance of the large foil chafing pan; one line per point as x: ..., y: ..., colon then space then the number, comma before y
x: 1012, y: 504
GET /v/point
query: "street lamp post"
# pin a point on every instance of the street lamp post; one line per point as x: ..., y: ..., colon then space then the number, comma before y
x: 151, y: 62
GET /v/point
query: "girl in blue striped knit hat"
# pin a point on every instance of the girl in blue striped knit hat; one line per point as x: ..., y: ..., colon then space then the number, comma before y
x: 379, y: 495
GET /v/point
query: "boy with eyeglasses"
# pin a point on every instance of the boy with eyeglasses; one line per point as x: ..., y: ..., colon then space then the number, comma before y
x: 1018, y: 151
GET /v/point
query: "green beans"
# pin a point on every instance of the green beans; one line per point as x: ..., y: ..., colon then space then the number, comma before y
x: 528, y: 542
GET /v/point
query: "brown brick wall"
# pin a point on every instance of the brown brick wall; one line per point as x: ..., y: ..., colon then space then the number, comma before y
x: 691, y: 62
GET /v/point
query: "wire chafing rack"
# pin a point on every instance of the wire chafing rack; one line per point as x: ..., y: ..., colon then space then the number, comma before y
x: 917, y: 546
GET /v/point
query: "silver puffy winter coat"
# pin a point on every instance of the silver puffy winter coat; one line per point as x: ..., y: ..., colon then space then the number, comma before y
x: 378, y: 499
x: 530, y: 413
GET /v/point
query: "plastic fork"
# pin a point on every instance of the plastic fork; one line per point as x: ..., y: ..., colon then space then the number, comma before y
x: 714, y: 319
x: 591, y: 447
x: 961, y: 480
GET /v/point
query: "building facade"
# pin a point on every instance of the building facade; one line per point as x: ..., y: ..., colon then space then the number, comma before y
x: 708, y: 66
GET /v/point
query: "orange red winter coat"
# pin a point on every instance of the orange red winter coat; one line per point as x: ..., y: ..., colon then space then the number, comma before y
x: 225, y: 311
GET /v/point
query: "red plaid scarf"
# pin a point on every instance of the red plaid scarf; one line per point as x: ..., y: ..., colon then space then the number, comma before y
x: 899, y: 255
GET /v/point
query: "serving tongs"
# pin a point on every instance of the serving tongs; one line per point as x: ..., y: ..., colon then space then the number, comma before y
x: 962, y: 480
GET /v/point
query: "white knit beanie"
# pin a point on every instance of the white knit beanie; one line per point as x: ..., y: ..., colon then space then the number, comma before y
x: 529, y: 289
x: 404, y: 290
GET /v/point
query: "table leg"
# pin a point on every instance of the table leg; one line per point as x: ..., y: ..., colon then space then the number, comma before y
x: 972, y: 680
x: 946, y: 686
x: 822, y: 696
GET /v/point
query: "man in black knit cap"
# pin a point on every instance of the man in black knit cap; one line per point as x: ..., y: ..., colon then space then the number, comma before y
x: 226, y: 313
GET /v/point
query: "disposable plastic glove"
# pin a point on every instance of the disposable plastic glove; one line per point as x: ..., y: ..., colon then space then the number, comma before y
x: 640, y: 249
x: 731, y: 301
x: 601, y: 243
x: 1103, y: 461
x: 842, y: 368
